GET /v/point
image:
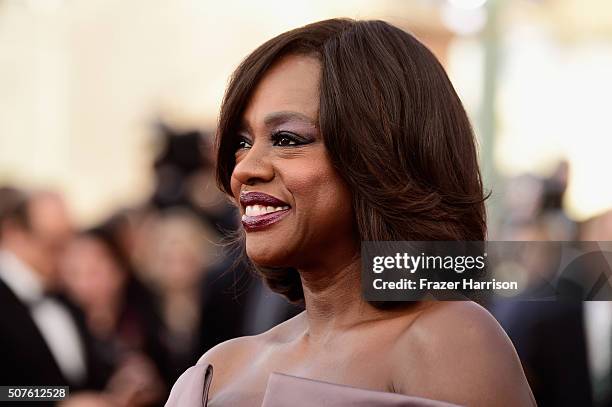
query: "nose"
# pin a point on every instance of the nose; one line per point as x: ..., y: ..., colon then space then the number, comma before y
x: 254, y: 166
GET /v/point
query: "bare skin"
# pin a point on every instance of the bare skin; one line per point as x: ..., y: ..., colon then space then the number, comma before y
x: 450, y: 351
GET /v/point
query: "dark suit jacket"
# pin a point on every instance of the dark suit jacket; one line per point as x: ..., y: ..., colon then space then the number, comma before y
x: 25, y: 358
x: 228, y: 293
x: 550, y: 340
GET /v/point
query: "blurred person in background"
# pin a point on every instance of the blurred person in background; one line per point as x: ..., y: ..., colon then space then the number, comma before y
x: 44, y: 339
x: 565, y: 346
x: 121, y: 315
x: 127, y: 229
x: 184, y: 177
x: 597, y: 327
x: 236, y: 302
x: 178, y: 252
x: 530, y: 200
x: 548, y: 335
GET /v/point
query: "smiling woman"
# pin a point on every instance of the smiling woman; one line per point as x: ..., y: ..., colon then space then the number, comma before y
x: 330, y: 134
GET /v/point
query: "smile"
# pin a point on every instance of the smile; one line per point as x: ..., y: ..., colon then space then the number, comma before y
x: 261, y: 210
x: 258, y: 210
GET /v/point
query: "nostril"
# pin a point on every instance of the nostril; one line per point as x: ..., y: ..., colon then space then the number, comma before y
x: 253, y: 167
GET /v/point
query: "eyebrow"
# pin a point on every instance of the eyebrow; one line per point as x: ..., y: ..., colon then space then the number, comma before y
x: 285, y: 116
x: 277, y: 118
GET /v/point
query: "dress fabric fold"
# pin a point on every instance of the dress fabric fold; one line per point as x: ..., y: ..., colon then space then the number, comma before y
x: 191, y: 390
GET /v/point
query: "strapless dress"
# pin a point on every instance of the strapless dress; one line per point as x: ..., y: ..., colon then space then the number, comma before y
x: 191, y: 390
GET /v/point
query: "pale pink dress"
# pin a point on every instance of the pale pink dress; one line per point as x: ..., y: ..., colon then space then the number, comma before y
x: 191, y: 390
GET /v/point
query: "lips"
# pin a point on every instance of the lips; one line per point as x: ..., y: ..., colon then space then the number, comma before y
x: 261, y: 210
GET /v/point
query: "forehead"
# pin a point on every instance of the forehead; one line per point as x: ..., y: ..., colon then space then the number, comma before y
x: 290, y: 85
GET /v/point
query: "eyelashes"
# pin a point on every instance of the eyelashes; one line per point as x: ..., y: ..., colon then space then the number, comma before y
x: 242, y: 143
x: 286, y: 139
x: 279, y: 138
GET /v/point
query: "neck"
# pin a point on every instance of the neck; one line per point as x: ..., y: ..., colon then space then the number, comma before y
x: 333, y: 299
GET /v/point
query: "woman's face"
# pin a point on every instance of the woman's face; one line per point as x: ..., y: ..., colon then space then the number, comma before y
x: 91, y: 275
x: 296, y: 210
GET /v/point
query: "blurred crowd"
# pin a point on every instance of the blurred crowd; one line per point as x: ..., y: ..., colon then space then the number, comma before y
x: 565, y: 346
x: 119, y: 310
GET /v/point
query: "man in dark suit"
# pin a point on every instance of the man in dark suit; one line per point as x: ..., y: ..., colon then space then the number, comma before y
x: 550, y: 339
x: 43, y: 340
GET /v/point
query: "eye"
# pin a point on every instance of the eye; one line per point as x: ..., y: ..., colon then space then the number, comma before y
x: 243, y: 144
x: 285, y: 139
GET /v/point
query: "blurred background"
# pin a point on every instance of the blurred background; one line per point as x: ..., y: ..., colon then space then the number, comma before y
x: 107, y: 119
x: 84, y: 82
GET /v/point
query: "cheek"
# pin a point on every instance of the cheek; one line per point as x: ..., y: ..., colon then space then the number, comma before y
x: 337, y: 198
x: 321, y: 194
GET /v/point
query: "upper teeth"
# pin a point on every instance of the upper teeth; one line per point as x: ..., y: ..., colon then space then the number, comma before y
x: 256, y: 210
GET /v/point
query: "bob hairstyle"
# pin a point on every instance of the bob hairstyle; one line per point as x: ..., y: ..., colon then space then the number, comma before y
x: 394, y: 128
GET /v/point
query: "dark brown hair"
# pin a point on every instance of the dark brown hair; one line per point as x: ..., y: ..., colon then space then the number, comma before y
x: 394, y: 128
x: 13, y: 208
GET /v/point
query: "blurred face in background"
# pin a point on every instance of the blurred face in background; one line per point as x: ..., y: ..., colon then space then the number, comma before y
x: 90, y: 274
x: 177, y: 252
x: 41, y: 242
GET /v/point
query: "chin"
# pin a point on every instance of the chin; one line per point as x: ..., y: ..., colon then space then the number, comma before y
x: 264, y: 253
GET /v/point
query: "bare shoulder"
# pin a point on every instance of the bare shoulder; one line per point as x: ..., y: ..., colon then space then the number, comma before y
x: 456, y: 322
x: 457, y: 352
x: 233, y: 356
x: 230, y: 351
x: 227, y: 358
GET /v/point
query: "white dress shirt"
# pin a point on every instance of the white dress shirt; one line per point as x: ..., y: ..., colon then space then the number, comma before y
x: 52, y: 319
x: 598, y: 332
